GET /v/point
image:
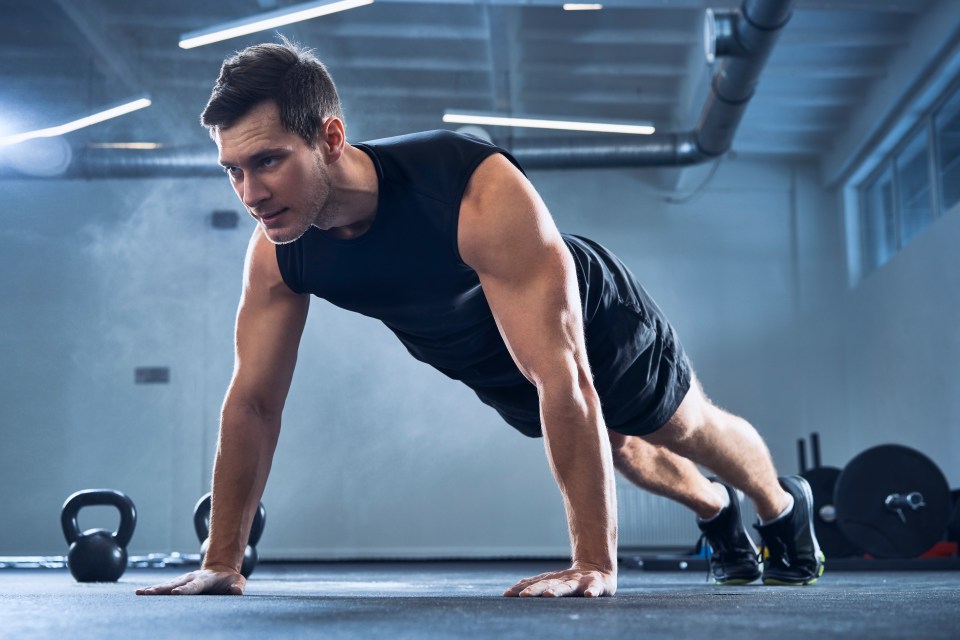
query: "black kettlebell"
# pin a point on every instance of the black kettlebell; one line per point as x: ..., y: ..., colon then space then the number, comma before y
x: 201, y: 524
x: 98, y: 555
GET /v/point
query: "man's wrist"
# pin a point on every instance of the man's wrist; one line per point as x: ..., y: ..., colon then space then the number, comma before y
x: 219, y: 565
x: 606, y: 566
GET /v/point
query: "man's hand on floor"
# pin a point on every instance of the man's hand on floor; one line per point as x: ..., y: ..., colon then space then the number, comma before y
x: 205, y: 581
x: 578, y: 581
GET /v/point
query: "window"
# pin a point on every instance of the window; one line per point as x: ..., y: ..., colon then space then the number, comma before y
x: 947, y: 123
x: 909, y: 187
x: 913, y: 186
x: 879, y: 221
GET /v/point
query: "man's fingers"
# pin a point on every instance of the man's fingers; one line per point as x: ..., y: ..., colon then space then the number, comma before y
x: 191, y: 588
x: 572, y: 582
x: 593, y: 589
x: 563, y: 589
x: 523, y: 584
x: 536, y: 585
x: 197, y: 582
x: 526, y: 582
x: 166, y: 587
x: 516, y: 589
x: 539, y: 588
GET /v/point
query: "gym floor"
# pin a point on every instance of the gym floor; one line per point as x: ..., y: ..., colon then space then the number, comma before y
x: 462, y: 600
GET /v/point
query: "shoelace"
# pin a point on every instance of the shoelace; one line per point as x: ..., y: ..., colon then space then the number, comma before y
x: 781, y: 547
x: 718, y: 551
x: 701, y: 542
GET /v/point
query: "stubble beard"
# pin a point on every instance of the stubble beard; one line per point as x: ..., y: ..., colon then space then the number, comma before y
x: 316, y: 211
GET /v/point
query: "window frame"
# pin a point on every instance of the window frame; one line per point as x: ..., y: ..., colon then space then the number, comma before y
x: 889, y: 160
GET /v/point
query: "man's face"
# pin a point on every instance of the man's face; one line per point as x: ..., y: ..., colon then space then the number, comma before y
x: 280, y: 179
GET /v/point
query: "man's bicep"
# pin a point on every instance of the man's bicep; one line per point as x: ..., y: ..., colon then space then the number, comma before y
x: 539, y: 319
x: 269, y: 325
x: 528, y: 276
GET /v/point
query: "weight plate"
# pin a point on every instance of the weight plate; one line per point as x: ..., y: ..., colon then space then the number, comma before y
x: 861, y: 495
x: 953, y: 529
x: 823, y: 482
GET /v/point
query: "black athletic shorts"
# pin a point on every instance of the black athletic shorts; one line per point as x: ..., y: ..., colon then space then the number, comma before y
x: 640, y: 370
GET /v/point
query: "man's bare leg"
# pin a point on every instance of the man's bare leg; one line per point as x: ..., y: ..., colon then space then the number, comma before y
x: 722, y: 442
x: 701, y: 433
x: 664, y: 473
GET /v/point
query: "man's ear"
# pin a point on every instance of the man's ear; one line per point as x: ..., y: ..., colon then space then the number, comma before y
x: 331, y: 139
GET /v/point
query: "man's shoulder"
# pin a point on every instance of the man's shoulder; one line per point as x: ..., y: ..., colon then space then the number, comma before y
x: 425, y: 139
x: 432, y: 164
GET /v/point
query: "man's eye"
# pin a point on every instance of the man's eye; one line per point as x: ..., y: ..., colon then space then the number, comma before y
x: 269, y: 162
x: 232, y: 171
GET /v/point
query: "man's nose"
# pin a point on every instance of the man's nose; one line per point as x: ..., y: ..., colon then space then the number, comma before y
x: 254, y: 192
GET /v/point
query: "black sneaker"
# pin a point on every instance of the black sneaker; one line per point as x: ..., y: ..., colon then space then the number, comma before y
x: 732, y: 556
x: 791, y: 554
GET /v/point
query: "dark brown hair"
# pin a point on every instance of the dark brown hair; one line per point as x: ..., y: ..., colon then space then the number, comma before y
x: 286, y: 73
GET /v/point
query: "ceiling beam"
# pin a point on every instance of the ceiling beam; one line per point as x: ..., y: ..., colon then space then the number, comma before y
x: 599, y: 98
x: 556, y: 4
x: 434, y: 93
x: 500, y: 58
x: 916, y: 75
x: 618, y: 69
x: 865, y: 71
x: 615, y: 37
x: 825, y: 38
x: 113, y: 59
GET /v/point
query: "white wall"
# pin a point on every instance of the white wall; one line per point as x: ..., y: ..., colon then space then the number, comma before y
x: 380, y: 455
x: 902, y: 348
x: 99, y: 278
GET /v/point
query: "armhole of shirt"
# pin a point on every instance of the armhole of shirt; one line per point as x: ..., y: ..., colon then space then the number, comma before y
x: 289, y: 261
x: 462, y: 187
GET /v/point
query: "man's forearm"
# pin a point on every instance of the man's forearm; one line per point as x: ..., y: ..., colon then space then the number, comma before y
x: 579, y: 454
x: 244, y: 456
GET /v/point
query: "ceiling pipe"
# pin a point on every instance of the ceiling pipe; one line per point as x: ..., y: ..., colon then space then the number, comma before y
x: 661, y: 149
x: 93, y: 163
x: 743, y: 39
x: 172, y: 162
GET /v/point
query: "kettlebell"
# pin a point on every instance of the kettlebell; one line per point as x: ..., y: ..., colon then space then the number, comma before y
x: 201, y: 524
x: 98, y: 555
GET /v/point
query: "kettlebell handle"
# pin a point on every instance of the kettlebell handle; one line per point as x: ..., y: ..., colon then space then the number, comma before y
x: 92, y: 497
x: 201, y: 520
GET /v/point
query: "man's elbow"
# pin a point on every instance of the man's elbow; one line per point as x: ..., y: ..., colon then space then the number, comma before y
x: 567, y: 392
x: 251, y: 407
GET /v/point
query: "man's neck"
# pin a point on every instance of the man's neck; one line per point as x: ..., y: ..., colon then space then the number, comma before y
x: 354, y: 191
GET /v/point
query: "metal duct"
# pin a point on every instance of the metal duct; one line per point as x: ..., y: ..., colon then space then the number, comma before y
x: 97, y: 163
x: 176, y: 162
x: 746, y: 37
x: 743, y: 38
x: 662, y: 149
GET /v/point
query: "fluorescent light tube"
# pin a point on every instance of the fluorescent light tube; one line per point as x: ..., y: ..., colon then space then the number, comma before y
x: 537, y: 123
x: 95, y: 118
x: 145, y: 146
x: 572, y: 6
x: 269, y: 20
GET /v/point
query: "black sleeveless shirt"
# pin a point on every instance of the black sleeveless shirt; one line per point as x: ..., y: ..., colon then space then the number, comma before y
x: 406, y: 271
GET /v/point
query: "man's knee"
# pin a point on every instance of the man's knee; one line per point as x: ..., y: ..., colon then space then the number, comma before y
x: 618, y: 446
x: 684, y: 429
x: 633, y: 452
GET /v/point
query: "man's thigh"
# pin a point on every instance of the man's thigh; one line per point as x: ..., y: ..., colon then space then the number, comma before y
x: 692, y: 413
x: 648, y: 389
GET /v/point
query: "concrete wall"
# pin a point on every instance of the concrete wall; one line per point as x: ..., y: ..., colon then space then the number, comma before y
x: 902, y: 348
x: 380, y: 455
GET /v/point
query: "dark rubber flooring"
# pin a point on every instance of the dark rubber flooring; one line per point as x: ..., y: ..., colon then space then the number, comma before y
x: 462, y: 600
